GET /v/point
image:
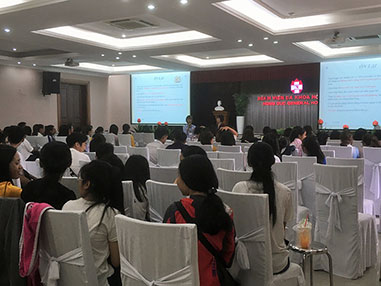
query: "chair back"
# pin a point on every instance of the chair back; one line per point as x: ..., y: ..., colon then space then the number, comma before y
x: 34, y: 168
x: 120, y: 149
x: 329, y: 153
x: 238, y: 158
x: 61, y: 139
x: 122, y: 156
x: 149, y: 252
x: 337, y: 223
x: 92, y: 155
x: 372, y: 176
x: 305, y: 165
x: 254, y: 234
x: 110, y: 138
x: 38, y: 142
x: 124, y: 139
x: 212, y: 155
x: 73, y: 252
x: 143, y: 151
x: 168, y: 157
x: 227, y: 164
x: 163, y: 174
x: 340, y: 151
x: 160, y: 197
x: 333, y: 142
x: 359, y: 163
x: 246, y: 148
x: 72, y: 183
x: 206, y: 147
x: 223, y: 148
x: 228, y: 178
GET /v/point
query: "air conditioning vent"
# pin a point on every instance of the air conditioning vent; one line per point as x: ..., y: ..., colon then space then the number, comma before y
x: 131, y: 24
x: 364, y: 38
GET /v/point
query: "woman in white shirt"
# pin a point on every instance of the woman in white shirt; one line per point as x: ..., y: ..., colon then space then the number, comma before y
x: 95, y: 182
x: 261, y: 158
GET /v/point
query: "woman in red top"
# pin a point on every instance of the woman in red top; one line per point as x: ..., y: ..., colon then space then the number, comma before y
x: 197, y: 179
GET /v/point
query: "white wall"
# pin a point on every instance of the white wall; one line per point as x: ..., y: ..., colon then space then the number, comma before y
x: 21, y: 98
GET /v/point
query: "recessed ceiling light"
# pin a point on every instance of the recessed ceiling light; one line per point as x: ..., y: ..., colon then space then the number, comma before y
x: 184, y: 2
x: 151, y: 6
x: 250, y: 45
x: 275, y: 42
x: 117, y: 58
x: 120, y: 53
x: 266, y: 38
x: 325, y: 51
x: 123, y: 36
x: 239, y: 41
x: 14, y: 49
x: 19, y: 63
x: 134, y: 56
x: 34, y: 65
x: 102, y: 55
x: 7, y: 30
x: 110, y: 69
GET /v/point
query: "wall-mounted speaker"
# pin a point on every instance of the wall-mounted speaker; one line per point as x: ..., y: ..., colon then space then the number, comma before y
x: 51, y: 82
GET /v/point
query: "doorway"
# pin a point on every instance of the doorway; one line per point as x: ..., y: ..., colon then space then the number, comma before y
x: 73, y: 105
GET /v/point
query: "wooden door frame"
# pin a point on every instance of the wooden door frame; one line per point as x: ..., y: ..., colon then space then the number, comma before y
x: 78, y: 82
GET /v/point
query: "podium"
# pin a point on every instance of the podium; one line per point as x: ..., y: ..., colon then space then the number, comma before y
x: 224, y: 113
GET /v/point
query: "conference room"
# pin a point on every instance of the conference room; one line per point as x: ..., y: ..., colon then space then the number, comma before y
x: 188, y: 142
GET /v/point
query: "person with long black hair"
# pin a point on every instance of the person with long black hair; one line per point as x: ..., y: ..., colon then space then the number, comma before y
x: 10, y: 169
x: 96, y: 179
x: 137, y: 171
x: 261, y: 157
x: 296, y: 137
x: 197, y: 179
x: 311, y: 147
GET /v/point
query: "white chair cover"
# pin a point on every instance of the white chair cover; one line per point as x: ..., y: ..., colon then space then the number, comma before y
x: 333, y: 142
x: 37, y: 142
x: 61, y: 139
x: 143, y: 151
x: 212, y: 155
x: 128, y: 198
x: 124, y: 139
x: 351, y: 237
x: 82, y: 163
x: 163, y: 174
x: 372, y: 177
x: 71, y: 183
x: 196, y: 143
x: 246, y: 148
x: 34, y: 168
x: 206, y: 147
x: 340, y: 151
x: 161, y: 196
x: 92, y: 155
x: 110, y: 138
x: 122, y: 156
x: 228, y: 178
x: 148, y: 138
x: 168, y: 157
x: 329, y: 153
x: 365, y: 206
x: 120, y: 149
x: 227, y: 164
x: 223, y: 148
x: 238, y: 158
x: 157, y: 254
x: 66, y: 259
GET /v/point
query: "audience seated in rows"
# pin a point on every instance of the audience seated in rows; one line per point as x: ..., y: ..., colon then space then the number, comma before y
x: 180, y: 140
x: 346, y: 139
x: 77, y: 144
x: 38, y: 130
x: 96, y: 140
x: 126, y: 129
x: 311, y: 147
x: 296, y: 137
x: 10, y: 169
x: 272, y: 140
x: 192, y: 150
x: 227, y: 138
x: 369, y: 140
x: 248, y: 135
x: 114, y: 130
x: 161, y: 135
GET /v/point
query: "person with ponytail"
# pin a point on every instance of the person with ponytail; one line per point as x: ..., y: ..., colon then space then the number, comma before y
x: 197, y: 179
x: 55, y: 158
x: 261, y: 157
x: 95, y: 183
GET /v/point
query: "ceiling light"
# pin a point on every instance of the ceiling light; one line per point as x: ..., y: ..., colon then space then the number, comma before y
x: 207, y: 58
x: 112, y: 69
x: 117, y: 58
x: 7, y: 30
x: 34, y: 65
x: 205, y: 63
x: 123, y: 36
x: 14, y: 49
x: 142, y: 42
x: 151, y: 6
x: 324, y: 51
x: 119, y: 53
x: 184, y: 2
x: 134, y: 56
x: 250, y: 45
x: 257, y: 15
x: 102, y: 55
x: 9, y: 3
x: 19, y: 63
x: 266, y: 38
x: 239, y: 41
x: 275, y: 42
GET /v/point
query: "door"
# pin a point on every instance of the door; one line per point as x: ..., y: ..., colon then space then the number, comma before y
x: 73, y: 106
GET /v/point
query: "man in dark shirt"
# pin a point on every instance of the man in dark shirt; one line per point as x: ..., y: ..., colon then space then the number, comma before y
x: 180, y: 140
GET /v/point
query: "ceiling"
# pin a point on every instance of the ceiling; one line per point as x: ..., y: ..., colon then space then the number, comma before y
x: 198, y: 35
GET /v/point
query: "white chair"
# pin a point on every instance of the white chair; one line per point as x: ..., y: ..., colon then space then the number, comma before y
x: 34, y: 168
x: 92, y: 155
x: 142, y: 139
x: 61, y: 139
x: 122, y: 156
x: 329, y: 153
x: 195, y: 143
x: 71, y: 183
x: 124, y: 139
x: 65, y: 251
x: 228, y: 178
x: 246, y: 148
x: 340, y: 151
x: 148, y: 138
x: 333, y: 142
x: 238, y: 158
x: 222, y: 148
x: 168, y: 157
x: 160, y: 197
x: 253, y: 242
x: 372, y: 177
x: 128, y: 198
x: 163, y: 174
x: 351, y: 237
x: 156, y: 253
x: 364, y: 206
x: 110, y: 138
x: 143, y: 151
x: 37, y: 141
x: 206, y: 147
x: 212, y: 155
x: 120, y: 149
x: 227, y: 164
